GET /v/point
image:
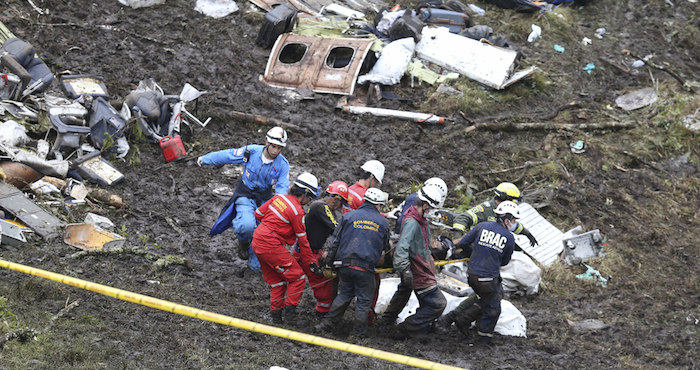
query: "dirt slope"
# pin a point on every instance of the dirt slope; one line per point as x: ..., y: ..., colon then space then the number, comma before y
x: 638, y: 186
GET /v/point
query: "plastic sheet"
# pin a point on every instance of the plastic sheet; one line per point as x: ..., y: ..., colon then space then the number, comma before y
x: 511, y: 322
x: 521, y: 275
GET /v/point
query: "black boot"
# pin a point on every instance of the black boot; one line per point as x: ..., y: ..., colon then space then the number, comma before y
x: 276, y: 316
x: 243, y: 249
x: 464, y: 319
x: 463, y: 324
x: 324, y: 325
x: 386, y: 320
x: 444, y: 322
x: 359, y: 328
x: 291, y: 317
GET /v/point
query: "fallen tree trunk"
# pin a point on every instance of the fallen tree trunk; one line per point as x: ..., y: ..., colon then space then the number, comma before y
x: 514, y: 126
x: 260, y: 119
x: 254, y: 117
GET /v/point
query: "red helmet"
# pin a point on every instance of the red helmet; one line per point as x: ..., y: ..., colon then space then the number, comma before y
x: 338, y: 188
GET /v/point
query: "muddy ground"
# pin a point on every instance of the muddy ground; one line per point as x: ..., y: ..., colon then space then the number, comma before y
x: 638, y: 186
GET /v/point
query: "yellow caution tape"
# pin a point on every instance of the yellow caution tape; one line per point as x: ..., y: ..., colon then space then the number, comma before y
x: 437, y: 263
x: 225, y: 320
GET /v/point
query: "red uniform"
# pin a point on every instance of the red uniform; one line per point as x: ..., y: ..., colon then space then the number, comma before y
x: 281, y: 224
x: 356, y: 193
x: 320, y: 224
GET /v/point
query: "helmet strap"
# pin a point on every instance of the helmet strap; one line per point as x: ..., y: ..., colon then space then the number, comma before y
x: 504, y: 218
x: 337, y: 203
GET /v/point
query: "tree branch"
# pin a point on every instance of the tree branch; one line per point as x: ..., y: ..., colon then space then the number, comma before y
x: 545, y: 126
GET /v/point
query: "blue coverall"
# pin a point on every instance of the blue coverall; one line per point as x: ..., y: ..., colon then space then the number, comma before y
x: 254, y: 188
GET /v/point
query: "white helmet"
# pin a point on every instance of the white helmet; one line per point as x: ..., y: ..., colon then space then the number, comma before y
x: 431, y: 195
x: 308, y: 182
x: 508, y: 207
x: 375, y: 196
x: 277, y: 136
x: 439, y: 184
x: 374, y: 167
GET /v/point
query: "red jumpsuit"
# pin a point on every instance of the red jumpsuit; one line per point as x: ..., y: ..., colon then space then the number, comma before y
x: 320, y: 223
x: 281, y: 224
x: 356, y: 193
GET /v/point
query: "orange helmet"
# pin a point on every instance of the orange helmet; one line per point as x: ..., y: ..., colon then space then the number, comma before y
x: 339, y: 188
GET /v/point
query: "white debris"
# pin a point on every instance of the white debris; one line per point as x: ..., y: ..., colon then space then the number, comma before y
x: 13, y: 134
x: 216, y: 8
x: 141, y: 3
x: 547, y: 235
x: 536, y: 32
x: 448, y: 90
x: 521, y: 275
x: 98, y: 220
x: 487, y: 64
x: 41, y: 186
x: 392, y: 63
x: 511, y: 321
x: 637, y: 99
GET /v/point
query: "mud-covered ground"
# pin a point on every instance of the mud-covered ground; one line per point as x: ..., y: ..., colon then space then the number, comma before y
x: 638, y: 186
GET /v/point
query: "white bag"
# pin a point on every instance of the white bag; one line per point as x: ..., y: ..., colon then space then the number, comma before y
x: 521, y: 275
x: 392, y: 63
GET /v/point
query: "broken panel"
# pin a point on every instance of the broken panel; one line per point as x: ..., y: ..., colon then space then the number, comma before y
x: 547, y: 235
x: 323, y: 65
x: 487, y: 64
x: 582, y: 247
x: 314, y: 7
x: 16, y: 203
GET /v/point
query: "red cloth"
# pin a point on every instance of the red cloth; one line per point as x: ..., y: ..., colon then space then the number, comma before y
x: 356, y: 193
x: 414, y: 214
x: 422, y: 265
x: 282, y: 221
x: 282, y: 272
x: 321, y: 285
x: 371, y: 315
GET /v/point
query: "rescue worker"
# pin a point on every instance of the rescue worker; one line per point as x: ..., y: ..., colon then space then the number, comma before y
x: 371, y: 177
x: 266, y: 169
x: 281, y: 225
x: 411, y: 200
x: 491, y: 246
x: 505, y: 191
x: 356, y: 247
x: 485, y: 212
x: 414, y: 262
x: 320, y: 224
